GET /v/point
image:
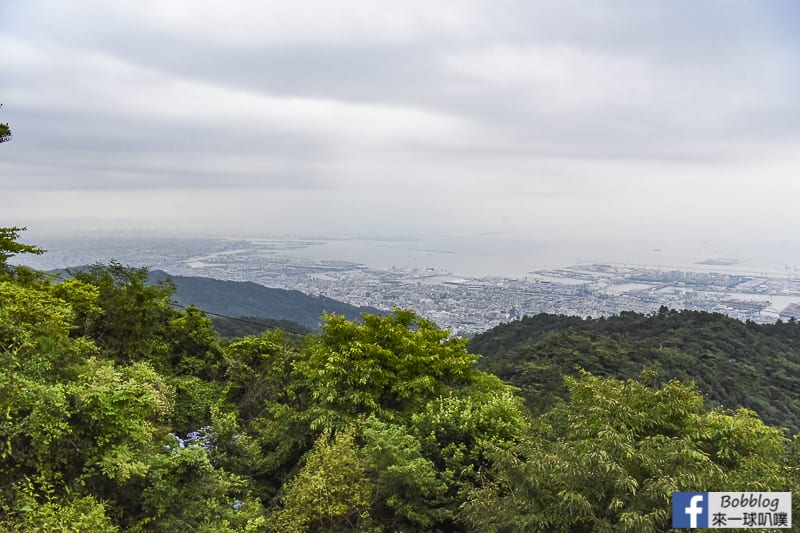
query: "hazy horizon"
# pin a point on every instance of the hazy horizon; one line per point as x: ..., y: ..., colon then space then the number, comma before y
x: 466, y: 255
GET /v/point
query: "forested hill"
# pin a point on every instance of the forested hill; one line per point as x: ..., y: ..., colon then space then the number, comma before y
x: 733, y: 363
x: 243, y: 298
x: 241, y: 326
x: 251, y: 300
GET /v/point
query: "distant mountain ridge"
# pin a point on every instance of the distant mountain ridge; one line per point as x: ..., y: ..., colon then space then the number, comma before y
x: 248, y: 299
x: 251, y: 300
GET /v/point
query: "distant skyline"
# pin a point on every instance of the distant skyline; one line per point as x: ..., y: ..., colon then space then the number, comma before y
x: 616, y: 120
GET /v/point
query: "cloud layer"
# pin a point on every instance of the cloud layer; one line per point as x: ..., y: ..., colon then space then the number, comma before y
x: 565, y: 117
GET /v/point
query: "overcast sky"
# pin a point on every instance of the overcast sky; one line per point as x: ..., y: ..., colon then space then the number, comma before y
x: 560, y: 118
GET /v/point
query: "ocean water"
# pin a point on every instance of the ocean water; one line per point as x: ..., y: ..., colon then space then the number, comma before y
x: 461, y: 255
x: 477, y: 256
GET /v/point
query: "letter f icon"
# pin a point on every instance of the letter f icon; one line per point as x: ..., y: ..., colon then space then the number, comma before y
x: 693, y: 510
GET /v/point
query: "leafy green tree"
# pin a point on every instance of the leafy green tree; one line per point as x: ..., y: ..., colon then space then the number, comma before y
x: 135, y: 316
x: 186, y: 492
x: 422, y: 418
x: 610, y: 457
x: 72, y: 423
x: 127, y: 408
x: 137, y: 322
x: 332, y: 491
x: 395, y: 477
x: 793, y: 465
x: 259, y: 370
x: 61, y: 515
x: 271, y: 410
x: 193, y: 345
x: 369, y: 476
x: 87, y: 409
x: 387, y: 366
x: 10, y: 246
x: 461, y: 431
x: 410, y: 491
x: 133, y: 320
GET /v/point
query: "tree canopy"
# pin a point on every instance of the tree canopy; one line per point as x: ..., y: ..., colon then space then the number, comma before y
x: 5, y: 131
x: 609, y: 458
x: 10, y: 246
x: 733, y: 363
x: 122, y: 413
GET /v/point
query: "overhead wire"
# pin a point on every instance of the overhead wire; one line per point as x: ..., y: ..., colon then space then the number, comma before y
x: 235, y: 319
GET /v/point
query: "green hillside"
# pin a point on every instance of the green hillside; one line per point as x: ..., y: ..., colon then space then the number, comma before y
x: 233, y: 327
x: 233, y: 299
x: 733, y: 363
x: 244, y: 298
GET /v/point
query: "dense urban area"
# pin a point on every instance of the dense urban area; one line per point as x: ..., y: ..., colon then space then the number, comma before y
x: 464, y: 305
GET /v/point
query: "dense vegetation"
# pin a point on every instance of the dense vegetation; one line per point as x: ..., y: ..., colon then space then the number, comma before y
x: 121, y: 413
x: 733, y: 363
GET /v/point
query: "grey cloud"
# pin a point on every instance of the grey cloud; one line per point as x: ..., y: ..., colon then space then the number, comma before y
x: 483, y: 102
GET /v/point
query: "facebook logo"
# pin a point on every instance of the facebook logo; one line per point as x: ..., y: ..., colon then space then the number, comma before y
x: 732, y: 510
x: 689, y: 509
